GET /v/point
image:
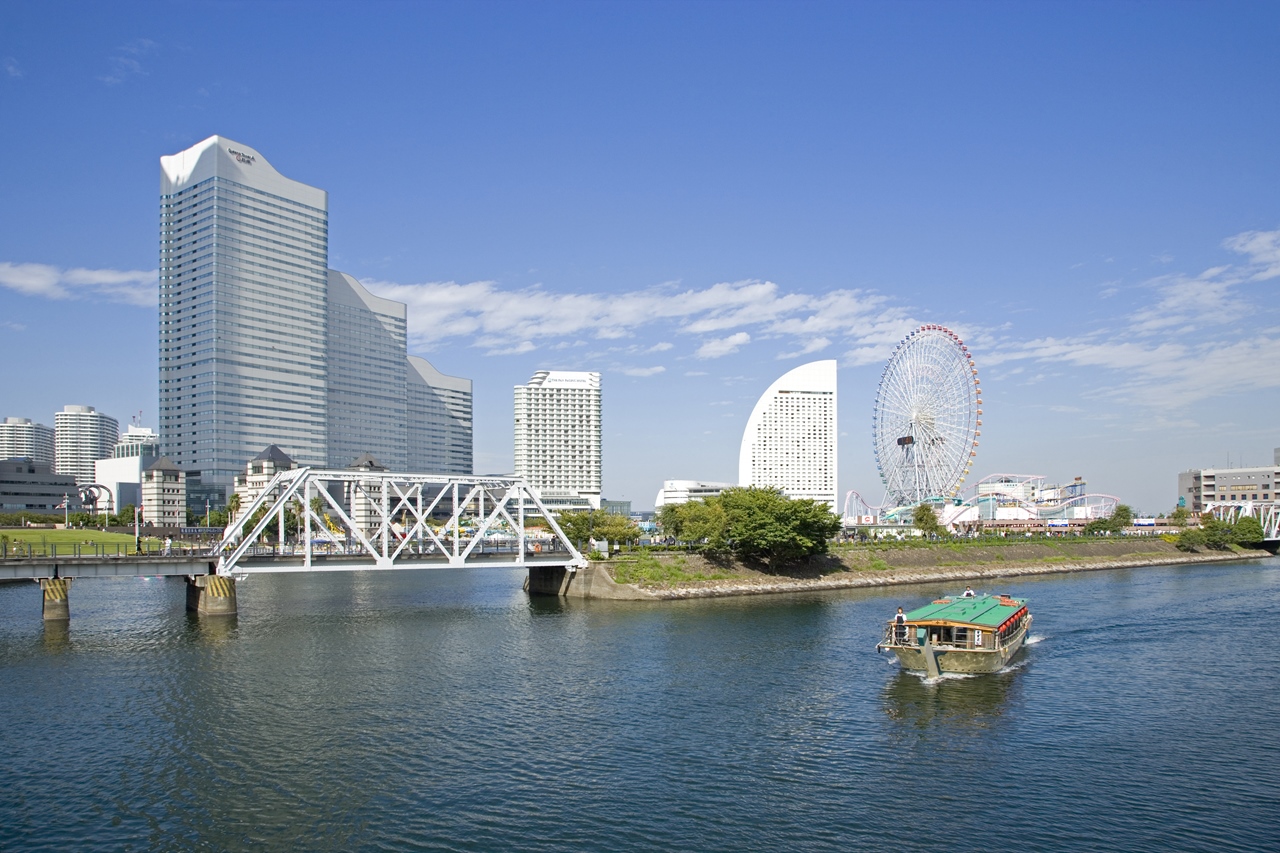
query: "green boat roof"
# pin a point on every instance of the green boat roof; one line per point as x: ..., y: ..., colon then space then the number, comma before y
x: 986, y: 611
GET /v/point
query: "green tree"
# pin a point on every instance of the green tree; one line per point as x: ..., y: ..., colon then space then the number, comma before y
x: 126, y: 514
x: 671, y: 520
x: 925, y: 519
x: 1248, y: 530
x: 764, y: 524
x: 1217, y: 534
x: 1121, y: 518
x: 578, y: 526
x: 1180, y: 517
x: 1191, y: 539
x: 615, y: 528
x: 233, y: 505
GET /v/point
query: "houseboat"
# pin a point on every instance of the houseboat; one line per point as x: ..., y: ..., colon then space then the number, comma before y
x: 967, y: 633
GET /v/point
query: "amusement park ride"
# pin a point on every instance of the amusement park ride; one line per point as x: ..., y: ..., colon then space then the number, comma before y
x: 925, y: 431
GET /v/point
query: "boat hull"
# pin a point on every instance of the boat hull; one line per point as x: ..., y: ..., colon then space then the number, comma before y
x: 962, y: 660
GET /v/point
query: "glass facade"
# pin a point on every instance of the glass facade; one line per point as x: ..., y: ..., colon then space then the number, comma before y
x: 243, y: 311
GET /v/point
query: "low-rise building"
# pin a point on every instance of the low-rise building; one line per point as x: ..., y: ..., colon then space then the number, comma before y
x: 28, y: 486
x: 683, y: 491
x: 164, y: 494
x: 258, y: 474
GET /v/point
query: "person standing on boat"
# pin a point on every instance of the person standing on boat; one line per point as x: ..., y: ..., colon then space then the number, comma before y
x: 900, y: 626
x: 969, y: 593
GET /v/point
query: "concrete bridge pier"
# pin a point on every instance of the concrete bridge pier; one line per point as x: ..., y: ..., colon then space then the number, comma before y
x: 211, y: 595
x: 57, y: 595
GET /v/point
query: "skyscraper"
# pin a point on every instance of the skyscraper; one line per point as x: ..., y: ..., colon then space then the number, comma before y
x: 367, y: 374
x: 243, y: 311
x: 557, y: 437
x: 790, y: 439
x: 262, y: 344
x: 20, y: 438
x: 82, y: 436
x: 439, y: 410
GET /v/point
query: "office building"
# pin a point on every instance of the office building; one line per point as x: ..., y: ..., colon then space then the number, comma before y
x: 20, y: 438
x: 790, y: 439
x: 262, y: 344
x: 1200, y: 487
x: 557, y: 437
x: 82, y: 436
x: 27, y: 486
x: 121, y: 475
x: 367, y: 375
x: 439, y: 429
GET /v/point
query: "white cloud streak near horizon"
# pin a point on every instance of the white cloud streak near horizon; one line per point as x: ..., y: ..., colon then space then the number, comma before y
x: 133, y: 287
x: 1182, y: 344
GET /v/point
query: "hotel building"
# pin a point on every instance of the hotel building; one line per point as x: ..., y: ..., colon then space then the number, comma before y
x: 557, y: 437
x: 262, y: 344
x: 790, y: 439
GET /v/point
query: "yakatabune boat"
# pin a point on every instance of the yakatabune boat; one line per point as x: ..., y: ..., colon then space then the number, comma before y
x: 977, y: 634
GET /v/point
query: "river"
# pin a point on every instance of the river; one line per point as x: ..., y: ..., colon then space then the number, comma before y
x: 446, y: 710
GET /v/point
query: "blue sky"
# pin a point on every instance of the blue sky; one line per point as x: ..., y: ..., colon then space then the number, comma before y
x: 692, y: 198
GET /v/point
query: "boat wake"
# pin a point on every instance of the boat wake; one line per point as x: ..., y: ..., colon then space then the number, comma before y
x: 1033, y: 639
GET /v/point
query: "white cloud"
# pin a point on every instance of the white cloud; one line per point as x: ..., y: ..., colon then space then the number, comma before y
x: 134, y: 287
x: 642, y: 371
x: 815, y: 345
x: 720, y: 347
x: 12, y: 67
x: 1263, y: 249
x: 661, y: 346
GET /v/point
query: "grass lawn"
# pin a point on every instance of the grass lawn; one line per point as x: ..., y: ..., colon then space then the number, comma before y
x: 64, y: 541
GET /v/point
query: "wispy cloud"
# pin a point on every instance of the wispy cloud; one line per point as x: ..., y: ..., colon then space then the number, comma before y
x: 134, y: 287
x: 12, y: 68
x: 126, y: 62
x: 491, y: 315
x: 720, y: 347
x: 642, y: 371
x: 815, y: 345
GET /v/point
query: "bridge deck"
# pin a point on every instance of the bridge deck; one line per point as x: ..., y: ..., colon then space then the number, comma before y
x: 147, y: 567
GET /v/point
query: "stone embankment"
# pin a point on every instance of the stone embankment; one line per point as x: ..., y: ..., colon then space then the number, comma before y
x: 865, y: 567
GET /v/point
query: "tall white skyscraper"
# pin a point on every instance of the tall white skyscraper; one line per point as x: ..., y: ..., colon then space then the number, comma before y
x: 244, y: 255
x: 262, y: 344
x: 790, y: 439
x: 20, y: 438
x: 557, y: 437
x: 83, y: 435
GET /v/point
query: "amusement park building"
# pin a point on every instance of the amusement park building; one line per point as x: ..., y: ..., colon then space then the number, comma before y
x: 790, y: 439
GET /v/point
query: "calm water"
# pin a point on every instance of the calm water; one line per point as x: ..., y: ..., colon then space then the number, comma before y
x: 444, y: 710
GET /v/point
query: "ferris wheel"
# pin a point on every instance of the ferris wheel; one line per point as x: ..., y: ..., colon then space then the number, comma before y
x: 927, y: 417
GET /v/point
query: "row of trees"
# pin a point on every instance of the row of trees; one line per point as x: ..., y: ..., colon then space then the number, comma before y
x: 753, y: 523
x: 1219, y: 535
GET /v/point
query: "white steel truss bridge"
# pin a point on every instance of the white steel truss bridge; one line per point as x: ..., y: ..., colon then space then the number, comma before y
x: 1267, y: 513
x: 308, y: 519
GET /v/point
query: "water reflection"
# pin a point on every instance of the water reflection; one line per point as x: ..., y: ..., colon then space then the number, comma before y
x: 211, y: 629
x: 57, y: 635
x: 950, y: 701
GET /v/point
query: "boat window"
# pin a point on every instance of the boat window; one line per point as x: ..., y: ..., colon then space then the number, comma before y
x: 962, y: 636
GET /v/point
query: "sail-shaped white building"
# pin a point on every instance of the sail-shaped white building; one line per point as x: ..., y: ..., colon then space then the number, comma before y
x: 790, y: 439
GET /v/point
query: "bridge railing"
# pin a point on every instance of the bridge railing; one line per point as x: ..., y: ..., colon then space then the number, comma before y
x: 1267, y: 513
x: 392, y: 521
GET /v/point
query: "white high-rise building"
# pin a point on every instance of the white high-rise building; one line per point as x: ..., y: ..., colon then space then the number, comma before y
x: 262, y: 344
x: 82, y: 436
x: 244, y: 265
x: 557, y: 437
x: 20, y: 438
x: 790, y: 439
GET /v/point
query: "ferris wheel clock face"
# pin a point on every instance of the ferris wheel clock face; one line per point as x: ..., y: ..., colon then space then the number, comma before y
x: 927, y: 416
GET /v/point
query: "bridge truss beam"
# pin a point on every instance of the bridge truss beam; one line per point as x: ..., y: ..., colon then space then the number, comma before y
x: 1267, y: 513
x: 478, y: 509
